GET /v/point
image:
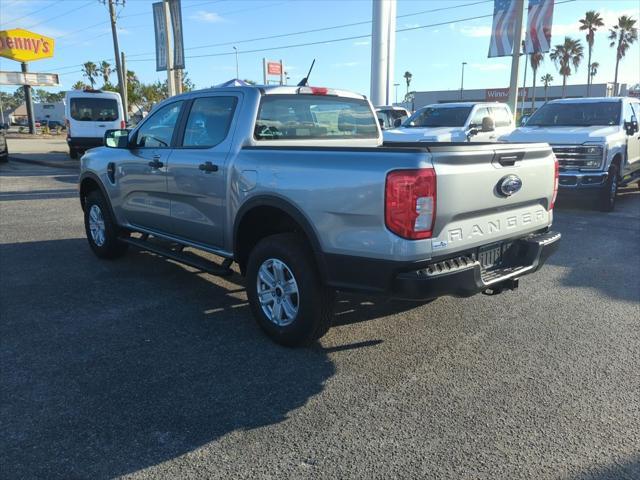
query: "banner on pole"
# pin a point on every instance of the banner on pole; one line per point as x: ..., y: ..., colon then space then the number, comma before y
x: 178, y: 44
x: 504, y: 18
x: 160, y: 32
x: 539, y: 21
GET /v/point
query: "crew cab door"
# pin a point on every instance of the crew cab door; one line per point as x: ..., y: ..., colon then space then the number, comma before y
x: 142, y: 173
x: 197, y: 169
x: 632, y: 114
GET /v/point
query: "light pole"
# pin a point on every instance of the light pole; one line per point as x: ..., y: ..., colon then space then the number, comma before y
x: 396, y: 85
x: 462, y: 80
x: 237, y: 70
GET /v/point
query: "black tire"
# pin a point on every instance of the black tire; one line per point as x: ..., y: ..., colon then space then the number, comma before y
x: 73, y: 153
x: 111, y: 246
x: 607, y: 201
x: 315, y: 301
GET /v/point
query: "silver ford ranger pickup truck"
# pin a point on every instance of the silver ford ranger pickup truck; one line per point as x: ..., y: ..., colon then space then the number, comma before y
x: 295, y: 185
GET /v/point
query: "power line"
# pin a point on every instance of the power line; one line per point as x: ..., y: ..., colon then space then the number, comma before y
x: 315, y: 30
x: 27, y: 15
x: 61, y: 15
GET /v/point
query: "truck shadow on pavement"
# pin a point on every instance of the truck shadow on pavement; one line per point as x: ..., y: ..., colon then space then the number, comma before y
x: 622, y: 470
x: 109, y: 367
x: 598, y: 249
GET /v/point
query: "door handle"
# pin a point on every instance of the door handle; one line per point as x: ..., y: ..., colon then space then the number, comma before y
x: 208, y: 167
x: 156, y: 163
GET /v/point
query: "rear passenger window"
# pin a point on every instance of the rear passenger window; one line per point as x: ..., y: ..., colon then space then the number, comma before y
x: 501, y: 117
x: 478, y: 116
x: 209, y: 121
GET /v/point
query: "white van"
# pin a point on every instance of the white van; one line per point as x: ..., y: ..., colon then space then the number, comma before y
x: 88, y: 114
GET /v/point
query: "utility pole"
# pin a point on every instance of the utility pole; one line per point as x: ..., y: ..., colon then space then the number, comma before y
x: 515, y: 57
x: 524, y: 81
x: 116, y: 49
x: 171, y: 87
x: 462, y: 81
x: 125, y: 89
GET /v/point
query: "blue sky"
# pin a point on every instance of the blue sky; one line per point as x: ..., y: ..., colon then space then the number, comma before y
x: 433, y: 54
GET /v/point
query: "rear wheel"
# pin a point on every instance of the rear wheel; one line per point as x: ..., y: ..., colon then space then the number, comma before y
x: 286, y: 294
x: 102, y: 231
x: 607, y: 201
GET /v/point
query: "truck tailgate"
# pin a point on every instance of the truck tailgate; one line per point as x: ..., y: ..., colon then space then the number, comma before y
x: 473, y: 210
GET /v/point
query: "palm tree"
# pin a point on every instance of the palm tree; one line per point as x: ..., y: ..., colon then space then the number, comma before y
x: 105, y: 71
x: 594, y: 70
x: 90, y: 70
x: 79, y: 85
x: 546, y: 80
x: 622, y: 36
x: 535, y: 59
x: 565, y: 55
x: 591, y: 22
x: 407, y: 76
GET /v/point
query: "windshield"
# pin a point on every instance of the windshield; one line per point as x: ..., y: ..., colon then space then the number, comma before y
x: 438, y: 117
x: 94, y: 109
x: 576, y: 114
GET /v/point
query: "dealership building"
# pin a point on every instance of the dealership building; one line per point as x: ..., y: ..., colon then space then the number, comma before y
x: 502, y: 94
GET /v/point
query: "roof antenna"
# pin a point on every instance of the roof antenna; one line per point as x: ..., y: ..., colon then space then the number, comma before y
x: 305, y: 81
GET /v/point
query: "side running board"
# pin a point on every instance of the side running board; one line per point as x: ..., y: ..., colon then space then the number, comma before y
x: 175, y: 251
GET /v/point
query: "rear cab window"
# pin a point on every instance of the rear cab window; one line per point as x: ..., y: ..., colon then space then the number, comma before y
x: 87, y: 109
x: 298, y: 117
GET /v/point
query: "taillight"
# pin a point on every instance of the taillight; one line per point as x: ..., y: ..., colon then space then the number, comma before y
x: 556, y: 179
x: 410, y: 203
x: 123, y: 124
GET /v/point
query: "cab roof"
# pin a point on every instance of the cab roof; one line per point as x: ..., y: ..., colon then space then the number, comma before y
x: 587, y: 100
x: 281, y: 90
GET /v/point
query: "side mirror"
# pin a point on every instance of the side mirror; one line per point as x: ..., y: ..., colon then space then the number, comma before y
x: 116, y: 138
x: 631, y: 127
x: 472, y: 132
x: 524, y: 120
x: 488, y: 125
x: 397, y: 122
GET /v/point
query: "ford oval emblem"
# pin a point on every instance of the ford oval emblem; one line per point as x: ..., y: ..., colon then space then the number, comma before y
x: 509, y: 185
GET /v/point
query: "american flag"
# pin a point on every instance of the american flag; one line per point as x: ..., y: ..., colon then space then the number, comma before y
x: 539, y: 20
x: 504, y: 12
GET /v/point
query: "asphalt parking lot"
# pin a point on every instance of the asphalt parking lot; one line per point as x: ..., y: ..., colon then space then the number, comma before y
x: 143, y: 368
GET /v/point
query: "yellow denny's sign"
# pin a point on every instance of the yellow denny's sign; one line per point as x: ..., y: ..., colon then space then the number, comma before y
x: 25, y: 46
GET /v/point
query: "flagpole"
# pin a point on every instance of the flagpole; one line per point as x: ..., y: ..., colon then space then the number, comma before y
x: 515, y: 59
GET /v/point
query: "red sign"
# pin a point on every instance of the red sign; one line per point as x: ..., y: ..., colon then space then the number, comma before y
x: 502, y: 94
x: 274, y: 68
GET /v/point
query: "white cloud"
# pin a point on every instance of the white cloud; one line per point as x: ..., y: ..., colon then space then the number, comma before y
x: 361, y: 43
x: 476, y: 31
x: 345, y: 64
x: 209, y: 17
x: 610, y: 18
x: 489, y: 67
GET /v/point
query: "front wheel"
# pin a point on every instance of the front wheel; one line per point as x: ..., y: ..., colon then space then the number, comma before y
x: 609, y: 192
x: 286, y: 294
x: 102, y: 231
